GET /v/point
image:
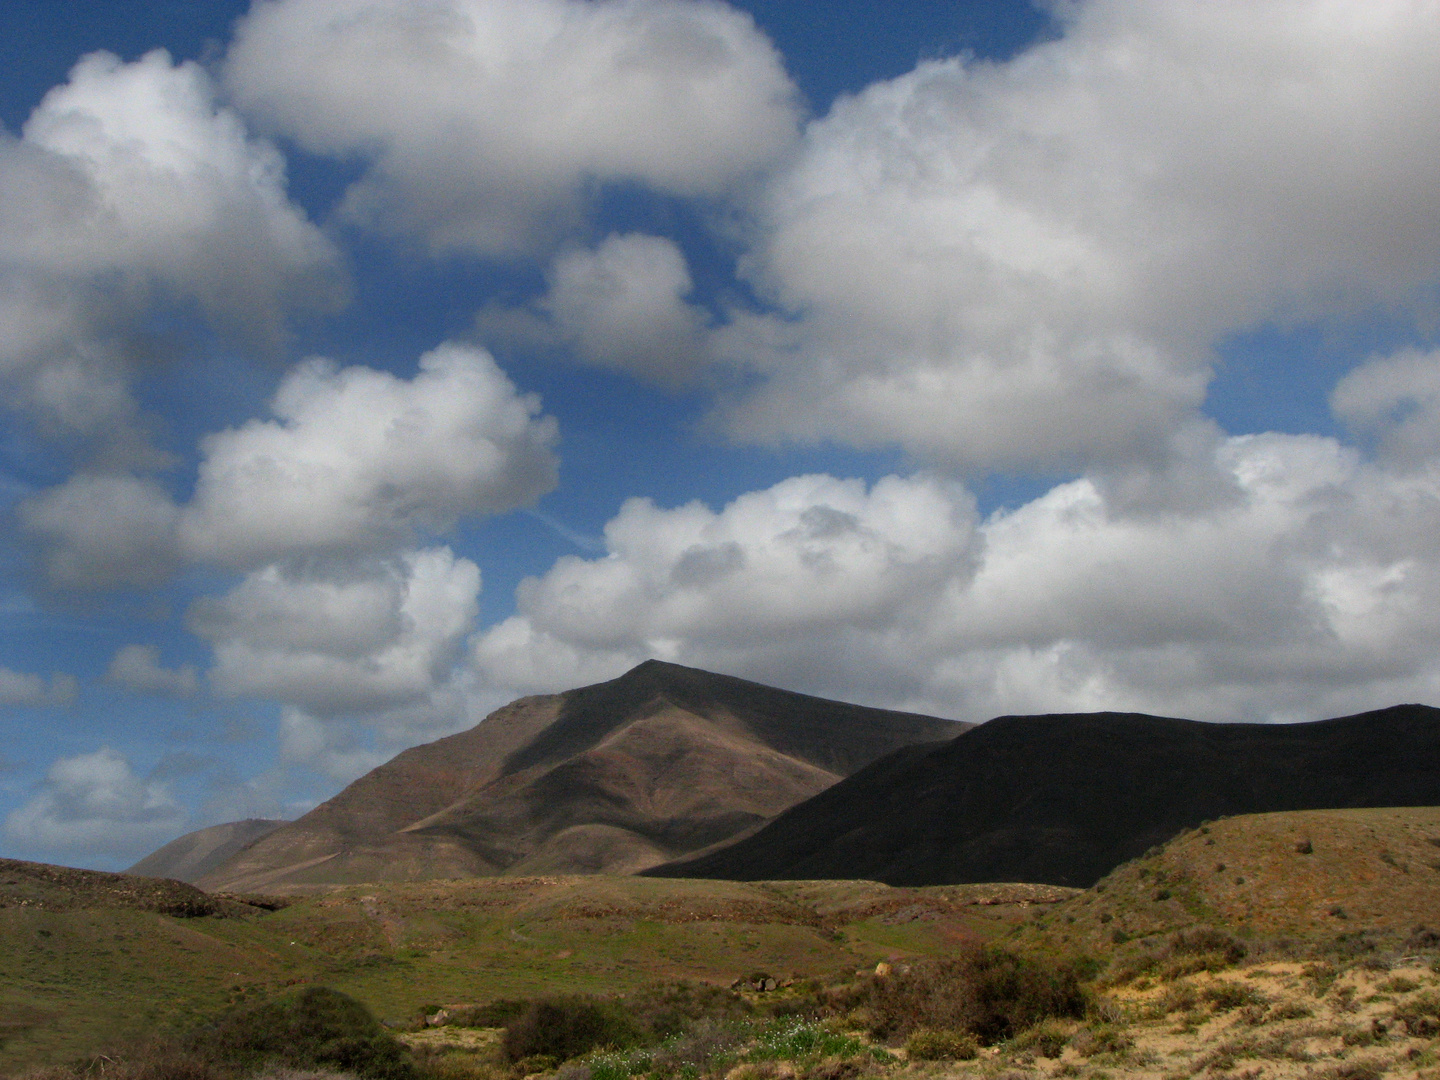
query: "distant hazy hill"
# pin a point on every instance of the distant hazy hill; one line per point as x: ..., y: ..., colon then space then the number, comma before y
x: 662, y: 761
x: 1063, y: 799
x: 195, y: 854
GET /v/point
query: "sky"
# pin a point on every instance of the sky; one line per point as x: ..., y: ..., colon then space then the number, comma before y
x: 368, y: 364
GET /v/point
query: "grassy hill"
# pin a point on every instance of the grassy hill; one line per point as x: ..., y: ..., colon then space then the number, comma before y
x: 82, y: 972
x: 1310, y: 876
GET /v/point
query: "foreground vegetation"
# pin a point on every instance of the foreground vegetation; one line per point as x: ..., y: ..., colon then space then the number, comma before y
x: 1278, y: 947
x: 940, y: 1008
x: 75, y: 977
x: 1197, y: 1005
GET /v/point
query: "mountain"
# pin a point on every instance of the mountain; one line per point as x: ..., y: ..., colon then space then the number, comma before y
x: 195, y: 854
x: 661, y: 762
x: 1063, y: 799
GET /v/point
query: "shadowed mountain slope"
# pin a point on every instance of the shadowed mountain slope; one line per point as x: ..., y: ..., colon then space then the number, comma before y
x: 663, y: 761
x: 195, y: 854
x: 1063, y: 799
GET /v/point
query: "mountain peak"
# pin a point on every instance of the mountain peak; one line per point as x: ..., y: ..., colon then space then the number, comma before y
x: 659, y: 762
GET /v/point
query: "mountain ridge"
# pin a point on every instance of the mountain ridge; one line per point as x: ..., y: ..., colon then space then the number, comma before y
x: 611, y: 777
x: 1064, y: 798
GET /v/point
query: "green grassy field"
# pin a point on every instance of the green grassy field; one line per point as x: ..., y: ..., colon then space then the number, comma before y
x: 75, y: 980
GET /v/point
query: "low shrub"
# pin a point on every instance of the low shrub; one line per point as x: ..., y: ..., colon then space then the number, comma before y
x: 938, y: 1044
x: 1101, y: 1039
x: 835, y: 1068
x: 316, y: 1028
x: 1224, y: 996
x: 1420, y: 1015
x: 667, y: 1009
x: 1422, y: 937
x: 567, y: 1027
x: 798, y: 1040
x: 1366, y: 1036
x: 1182, y: 997
x: 1207, y: 941
x: 1398, y: 985
x: 1321, y: 977
x: 1046, y: 1039
x: 1351, y: 1070
x: 1187, y: 952
x: 990, y: 991
x: 447, y: 1063
x: 1290, y: 1010
x: 693, y: 1050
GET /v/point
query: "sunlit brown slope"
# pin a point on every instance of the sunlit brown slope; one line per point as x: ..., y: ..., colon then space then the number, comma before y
x: 616, y: 777
x: 1301, y: 873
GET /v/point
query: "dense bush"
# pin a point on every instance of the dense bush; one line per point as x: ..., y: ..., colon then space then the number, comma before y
x: 931, y: 1044
x: 1420, y: 1015
x: 1225, y: 995
x: 1046, y: 1039
x: 1101, y: 1039
x: 566, y: 1027
x: 1187, y: 952
x: 989, y: 991
x: 662, y: 1011
x: 314, y: 1029
x: 691, y: 1052
x: 1206, y: 941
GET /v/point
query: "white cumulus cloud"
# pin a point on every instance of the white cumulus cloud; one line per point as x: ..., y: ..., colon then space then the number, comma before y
x: 356, y: 462
x: 95, y: 803
x: 25, y: 689
x: 103, y: 530
x: 484, y: 121
x: 327, y: 747
x: 130, y: 186
x: 347, y: 638
x: 800, y: 567
x: 1395, y: 399
x: 1028, y: 263
x: 624, y: 305
x: 138, y: 669
x: 1311, y: 589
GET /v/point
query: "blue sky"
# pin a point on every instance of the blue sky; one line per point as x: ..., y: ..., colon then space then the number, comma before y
x: 369, y: 364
